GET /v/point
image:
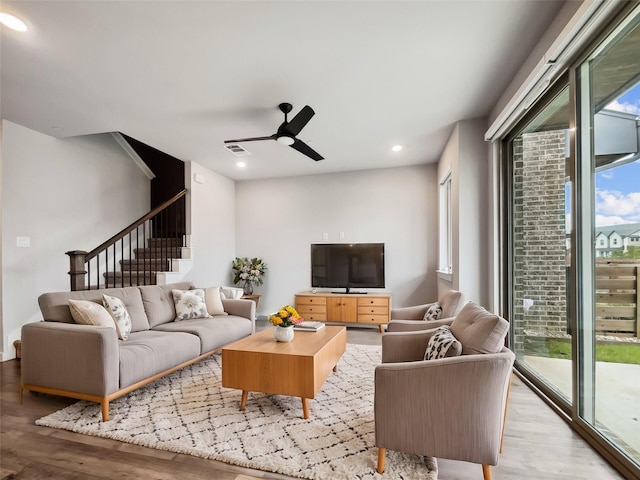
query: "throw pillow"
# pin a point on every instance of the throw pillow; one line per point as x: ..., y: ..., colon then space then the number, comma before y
x: 213, y: 300
x: 442, y: 344
x: 85, y: 312
x: 233, y: 293
x: 120, y: 315
x: 190, y: 304
x: 433, y: 312
x: 478, y: 330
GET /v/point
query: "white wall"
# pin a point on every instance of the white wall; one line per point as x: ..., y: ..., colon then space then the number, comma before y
x: 278, y: 219
x: 466, y: 155
x: 212, y: 225
x: 64, y: 194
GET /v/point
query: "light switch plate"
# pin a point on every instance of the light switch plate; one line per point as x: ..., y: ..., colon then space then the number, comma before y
x: 23, y: 241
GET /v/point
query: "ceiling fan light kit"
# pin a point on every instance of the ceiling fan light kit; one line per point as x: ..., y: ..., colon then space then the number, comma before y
x: 287, y: 131
x: 288, y: 141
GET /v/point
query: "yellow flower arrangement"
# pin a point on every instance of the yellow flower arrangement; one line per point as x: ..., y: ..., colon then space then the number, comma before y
x: 287, y: 316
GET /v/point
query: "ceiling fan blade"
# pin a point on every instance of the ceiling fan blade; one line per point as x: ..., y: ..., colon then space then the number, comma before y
x: 252, y: 139
x: 298, y: 122
x: 306, y: 150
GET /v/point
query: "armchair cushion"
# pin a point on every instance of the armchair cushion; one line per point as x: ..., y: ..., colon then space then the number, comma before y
x: 442, y: 344
x: 478, y: 330
x: 433, y: 312
x: 451, y: 303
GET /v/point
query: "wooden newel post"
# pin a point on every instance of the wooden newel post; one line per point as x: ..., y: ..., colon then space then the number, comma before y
x: 77, y: 259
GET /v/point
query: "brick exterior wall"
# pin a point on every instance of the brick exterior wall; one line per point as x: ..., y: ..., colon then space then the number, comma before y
x: 539, y: 235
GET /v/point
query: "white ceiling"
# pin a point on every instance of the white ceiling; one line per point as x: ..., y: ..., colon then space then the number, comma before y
x: 185, y: 76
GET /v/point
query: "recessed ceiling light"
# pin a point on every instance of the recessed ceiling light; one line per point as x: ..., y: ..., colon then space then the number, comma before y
x: 396, y: 148
x: 13, y: 22
x: 241, y: 164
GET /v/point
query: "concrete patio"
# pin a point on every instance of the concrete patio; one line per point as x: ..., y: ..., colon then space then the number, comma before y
x: 617, y: 400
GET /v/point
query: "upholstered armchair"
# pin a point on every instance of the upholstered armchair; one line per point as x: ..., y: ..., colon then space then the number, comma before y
x: 452, y: 407
x: 407, y: 319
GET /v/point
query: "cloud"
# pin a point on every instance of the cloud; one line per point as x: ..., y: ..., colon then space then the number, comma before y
x: 614, y: 208
x: 626, y: 107
x: 617, y: 203
x: 607, y: 175
x: 605, y: 221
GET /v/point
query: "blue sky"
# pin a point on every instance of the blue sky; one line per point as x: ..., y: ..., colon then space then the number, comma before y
x: 618, y: 189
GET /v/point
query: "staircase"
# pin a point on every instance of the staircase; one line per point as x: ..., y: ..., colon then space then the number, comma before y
x: 150, y: 263
x: 153, y: 250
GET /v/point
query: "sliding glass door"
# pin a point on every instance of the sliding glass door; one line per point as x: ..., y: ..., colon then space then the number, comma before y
x: 541, y: 205
x: 572, y: 168
x: 608, y: 108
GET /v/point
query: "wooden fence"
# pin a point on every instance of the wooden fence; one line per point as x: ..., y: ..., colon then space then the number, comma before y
x: 617, y: 308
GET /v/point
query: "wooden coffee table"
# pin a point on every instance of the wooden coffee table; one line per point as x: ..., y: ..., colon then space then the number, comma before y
x: 299, y: 368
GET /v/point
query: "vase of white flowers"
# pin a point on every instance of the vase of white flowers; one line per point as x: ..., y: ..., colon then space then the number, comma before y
x: 249, y: 272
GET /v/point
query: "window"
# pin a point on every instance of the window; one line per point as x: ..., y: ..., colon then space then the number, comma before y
x: 615, y: 241
x: 601, y: 242
x: 445, y: 230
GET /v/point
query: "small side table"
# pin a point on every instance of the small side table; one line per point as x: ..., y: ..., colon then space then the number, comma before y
x: 255, y: 298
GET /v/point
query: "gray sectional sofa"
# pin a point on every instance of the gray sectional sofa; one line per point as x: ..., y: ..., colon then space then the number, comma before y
x: 85, y: 362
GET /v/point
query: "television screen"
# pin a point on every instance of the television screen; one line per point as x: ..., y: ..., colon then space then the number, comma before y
x: 347, y: 265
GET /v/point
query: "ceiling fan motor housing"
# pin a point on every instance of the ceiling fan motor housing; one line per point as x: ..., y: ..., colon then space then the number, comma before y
x: 288, y: 130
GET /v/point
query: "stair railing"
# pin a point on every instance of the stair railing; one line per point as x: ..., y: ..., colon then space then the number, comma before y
x: 145, y: 247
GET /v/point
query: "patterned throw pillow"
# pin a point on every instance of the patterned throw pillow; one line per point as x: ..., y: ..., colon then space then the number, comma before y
x: 190, y: 304
x: 433, y: 312
x: 119, y: 312
x: 85, y: 312
x: 442, y: 344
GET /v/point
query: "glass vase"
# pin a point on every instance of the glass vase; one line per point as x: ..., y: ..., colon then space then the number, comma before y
x: 248, y: 288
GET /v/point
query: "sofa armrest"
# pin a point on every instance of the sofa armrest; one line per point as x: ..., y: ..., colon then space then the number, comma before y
x: 415, y: 312
x: 241, y: 308
x: 416, y: 325
x: 448, y: 408
x: 70, y: 357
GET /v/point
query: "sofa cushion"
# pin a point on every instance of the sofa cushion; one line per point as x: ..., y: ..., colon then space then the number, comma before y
x: 86, y: 312
x: 55, y: 306
x: 148, y: 353
x: 478, y: 330
x: 442, y: 344
x: 212, y: 332
x: 121, y: 317
x: 158, y: 302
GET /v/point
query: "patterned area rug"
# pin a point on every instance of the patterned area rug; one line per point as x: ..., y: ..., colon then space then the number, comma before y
x: 189, y: 412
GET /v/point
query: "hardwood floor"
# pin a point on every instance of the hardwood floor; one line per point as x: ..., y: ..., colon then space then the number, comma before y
x: 538, y: 444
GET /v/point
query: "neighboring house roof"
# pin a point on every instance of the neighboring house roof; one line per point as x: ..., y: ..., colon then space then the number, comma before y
x: 624, y: 230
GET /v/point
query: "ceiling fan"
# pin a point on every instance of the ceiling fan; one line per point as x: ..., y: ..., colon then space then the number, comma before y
x: 287, y: 131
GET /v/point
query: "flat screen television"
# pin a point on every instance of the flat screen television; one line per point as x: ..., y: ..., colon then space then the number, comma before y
x: 347, y: 265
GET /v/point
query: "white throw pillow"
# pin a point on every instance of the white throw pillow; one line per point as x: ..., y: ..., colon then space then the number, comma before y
x: 213, y: 300
x: 119, y: 312
x: 85, y: 312
x: 442, y: 344
x: 433, y: 312
x: 233, y: 293
x: 190, y: 304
